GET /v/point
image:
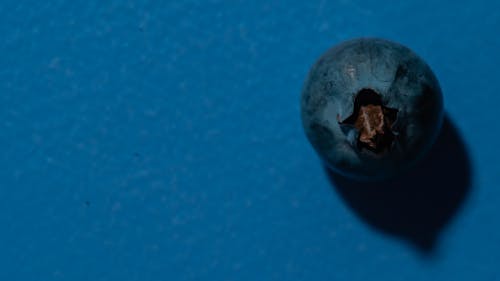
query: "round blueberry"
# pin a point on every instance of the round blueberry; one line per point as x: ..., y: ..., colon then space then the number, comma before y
x: 371, y: 108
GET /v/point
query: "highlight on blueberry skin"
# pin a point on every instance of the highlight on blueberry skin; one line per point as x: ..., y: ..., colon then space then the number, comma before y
x: 371, y: 108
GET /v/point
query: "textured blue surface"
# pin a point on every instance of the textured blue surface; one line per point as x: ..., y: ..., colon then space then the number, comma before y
x: 148, y: 141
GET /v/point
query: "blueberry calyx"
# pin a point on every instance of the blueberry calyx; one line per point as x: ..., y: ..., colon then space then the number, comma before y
x: 373, y: 122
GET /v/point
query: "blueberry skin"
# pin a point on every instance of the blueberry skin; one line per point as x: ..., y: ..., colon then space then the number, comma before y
x: 403, y: 81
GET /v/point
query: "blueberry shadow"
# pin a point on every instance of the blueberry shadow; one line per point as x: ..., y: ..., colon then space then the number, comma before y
x: 417, y: 205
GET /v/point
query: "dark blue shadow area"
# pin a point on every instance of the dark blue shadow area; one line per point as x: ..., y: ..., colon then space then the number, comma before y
x: 417, y: 205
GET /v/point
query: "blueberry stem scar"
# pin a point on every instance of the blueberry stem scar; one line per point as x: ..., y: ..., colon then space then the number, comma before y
x: 373, y: 121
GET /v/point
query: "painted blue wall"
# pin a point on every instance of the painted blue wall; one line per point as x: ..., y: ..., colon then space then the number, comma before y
x: 161, y: 140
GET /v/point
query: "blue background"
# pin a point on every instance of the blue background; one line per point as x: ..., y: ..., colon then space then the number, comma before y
x: 161, y: 140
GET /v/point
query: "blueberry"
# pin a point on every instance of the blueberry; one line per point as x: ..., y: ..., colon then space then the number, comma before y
x: 371, y: 108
